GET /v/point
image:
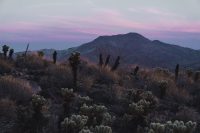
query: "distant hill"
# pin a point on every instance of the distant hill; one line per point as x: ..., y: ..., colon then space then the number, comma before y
x: 136, y: 49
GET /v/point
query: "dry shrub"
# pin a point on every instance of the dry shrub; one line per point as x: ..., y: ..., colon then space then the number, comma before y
x: 6, y: 66
x: 57, y: 76
x: 187, y: 114
x: 105, y: 75
x: 15, y: 89
x: 31, y: 62
x: 86, y: 82
x: 7, y: 115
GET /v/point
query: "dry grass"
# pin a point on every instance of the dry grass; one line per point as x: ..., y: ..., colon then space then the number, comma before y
x: 6, y: 66
x: 31, y: 62
x: 15, y: 89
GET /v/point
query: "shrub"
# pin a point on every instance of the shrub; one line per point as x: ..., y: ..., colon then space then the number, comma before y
x: 74, y: 123
x: 6, y: 67
x: 173, y: 127
x: 15, y: 89
x: 31, y: 62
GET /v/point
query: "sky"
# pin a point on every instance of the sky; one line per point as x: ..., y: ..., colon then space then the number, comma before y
x: 61, y: 24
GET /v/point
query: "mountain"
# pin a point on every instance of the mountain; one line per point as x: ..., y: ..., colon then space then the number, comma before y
x: 134, y: 48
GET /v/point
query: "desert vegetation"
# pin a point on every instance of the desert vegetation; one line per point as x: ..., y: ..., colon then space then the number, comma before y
x: 42, y: 96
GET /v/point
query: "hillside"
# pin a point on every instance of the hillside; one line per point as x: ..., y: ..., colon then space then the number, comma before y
x: 136, y: 49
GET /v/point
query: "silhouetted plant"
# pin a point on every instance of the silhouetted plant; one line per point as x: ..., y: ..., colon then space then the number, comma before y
x: 100, y: 60
x: 116, y: 65
x: 54, y: 57
x: 25, y: 53
x: 11, y: 52
x: 196, y: 76
x: 176, y: 72
x: 74, y: 61
x: 136, y: 70
x: 107, y: 60
x: 5, y: 49
x: 163, y: 88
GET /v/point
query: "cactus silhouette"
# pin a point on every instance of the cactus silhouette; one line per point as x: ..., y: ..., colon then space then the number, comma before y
x: 176, y: 72
x: 107, y: 60
x: 5, y: 49
x: 11, y: 52
x: 54, y: 57
x: 100, y: 60
x: 74, y: 61
x: 136, y: 70
x: 116, y: 65
x: 40, y: 53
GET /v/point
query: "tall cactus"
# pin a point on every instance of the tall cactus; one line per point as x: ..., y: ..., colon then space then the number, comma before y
x: 176, y: 72
x: 107, y: 60
x: 11, y: 52
x: 54, y: 57
x: 136, y: 70
x: 115, y: 66
x: 74, y: 61
x: 5, y: 49
x: 100, y: 60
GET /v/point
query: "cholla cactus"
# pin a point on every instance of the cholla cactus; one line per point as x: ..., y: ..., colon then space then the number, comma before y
x: 140, y: 108
x: 11, y: 53
x: 97, y: 114
x: 74, y: 124
x: 85, y: 131
x: 38, y: 102
x: 85, y: 99
x: 102, y: 129
x: 163, y: 84
x: 173, y: 127
x: 67, y: 92
x: 5, y: 49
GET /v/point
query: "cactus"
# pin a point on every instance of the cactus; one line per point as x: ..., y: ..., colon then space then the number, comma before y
x: 38, y: 102
x: 107, y: 60
x: 74, y: 123
x: 97, y: 114
x: 102, y: 129
x: 74, y: 61
x: 176, y: 72
x: 136, y: 70
x: 54, y: 57
x: 5, y: 49
x: 11, y: 53
x: 85, y: 131
x: 25, y: 53
x: 68, y: 95
x: 173, y: 127
x: 116, y: 65
x: 163, y: 88
x: 100, y: 60
x: 196, y: 76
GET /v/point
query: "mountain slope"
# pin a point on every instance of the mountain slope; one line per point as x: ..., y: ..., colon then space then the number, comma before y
x: 136, y: 49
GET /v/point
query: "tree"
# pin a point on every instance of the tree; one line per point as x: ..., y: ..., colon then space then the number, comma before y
x: 11, y: 53
x: 74, y: 61
x: 54, y: 57
x: 115, y: 66
x: 5, y: 49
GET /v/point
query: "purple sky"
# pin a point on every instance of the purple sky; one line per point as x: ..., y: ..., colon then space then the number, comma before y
x: 66, y: 23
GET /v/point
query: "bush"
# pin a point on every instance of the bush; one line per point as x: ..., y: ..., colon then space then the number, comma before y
x: 16, y: 89
x: 6, y: 67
